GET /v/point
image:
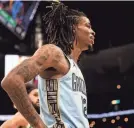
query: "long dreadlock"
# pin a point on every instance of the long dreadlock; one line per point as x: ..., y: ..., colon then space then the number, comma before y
x: 58, y: 24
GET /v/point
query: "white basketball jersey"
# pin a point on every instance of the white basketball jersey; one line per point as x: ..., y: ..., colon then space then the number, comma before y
x: 63, y: 101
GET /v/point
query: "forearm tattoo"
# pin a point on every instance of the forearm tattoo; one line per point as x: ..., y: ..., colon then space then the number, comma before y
x: 20, y: 99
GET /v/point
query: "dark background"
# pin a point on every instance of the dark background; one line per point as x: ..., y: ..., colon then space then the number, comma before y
x: 110, y: 64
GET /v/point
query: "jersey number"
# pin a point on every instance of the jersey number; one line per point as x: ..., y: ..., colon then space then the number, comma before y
x: 84, y: 106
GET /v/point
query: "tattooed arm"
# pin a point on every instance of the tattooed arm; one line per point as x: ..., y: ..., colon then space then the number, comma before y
x: 45, y: 57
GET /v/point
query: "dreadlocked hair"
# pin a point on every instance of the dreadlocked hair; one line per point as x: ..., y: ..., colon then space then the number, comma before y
x: 58, y: 26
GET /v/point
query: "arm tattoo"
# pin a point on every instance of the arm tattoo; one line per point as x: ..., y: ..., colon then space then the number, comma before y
x: 44, y: 55
x: 15, y: 87
x: 27, y: 69
x: 20, y: 98
x: 57, y: 58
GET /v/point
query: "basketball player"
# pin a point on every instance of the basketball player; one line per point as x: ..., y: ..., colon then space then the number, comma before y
x: 18, y: 121
x: 62, y: 89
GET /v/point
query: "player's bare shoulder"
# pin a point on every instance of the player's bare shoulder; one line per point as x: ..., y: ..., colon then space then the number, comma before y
x: 48, y: 52
x: 54, y: 58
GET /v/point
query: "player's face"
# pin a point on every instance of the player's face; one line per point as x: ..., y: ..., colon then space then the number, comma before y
x: 84, y: 33
x: 33, y: 95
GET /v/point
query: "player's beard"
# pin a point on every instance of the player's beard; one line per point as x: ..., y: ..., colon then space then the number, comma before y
x: 37, y: 108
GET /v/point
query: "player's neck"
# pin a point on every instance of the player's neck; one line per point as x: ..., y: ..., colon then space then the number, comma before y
x: 75, y: 54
